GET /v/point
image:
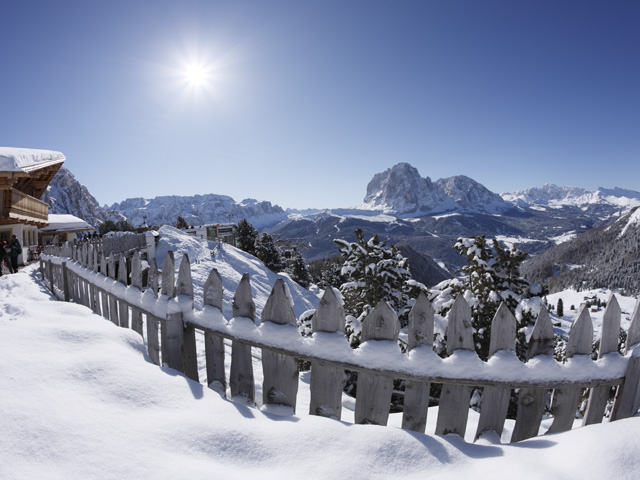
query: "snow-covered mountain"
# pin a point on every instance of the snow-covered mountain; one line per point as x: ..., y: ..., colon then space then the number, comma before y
x: 65, y: 195
x: 401, y: 191
x: 198, y: 210
x: 550, y: 195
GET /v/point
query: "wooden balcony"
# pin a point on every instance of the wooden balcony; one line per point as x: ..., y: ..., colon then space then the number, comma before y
x: 18, y: 207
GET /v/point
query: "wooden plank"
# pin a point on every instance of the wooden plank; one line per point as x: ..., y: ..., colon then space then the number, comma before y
x: 280, y: 380
x: 173, y: 330
x: 599, y: 396
x: 627, y: 399
x: 454, y: 399
x: 373, y: 396
x: 564, y: 402
x: 113, y: 303
x: 184, y: 287
x: 241, y: 383
x: 326, y: 381
x: 416, y: 394
x: 214, y: 344
x: 153, y: 323
x: 65, y: 282
x: 136, y: 281
x: 495, y: 400
x: 532, y: 401
x: 123, y: 308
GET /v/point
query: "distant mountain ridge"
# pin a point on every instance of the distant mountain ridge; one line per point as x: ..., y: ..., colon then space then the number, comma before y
x: 554, y: 196
x: 198, y: 210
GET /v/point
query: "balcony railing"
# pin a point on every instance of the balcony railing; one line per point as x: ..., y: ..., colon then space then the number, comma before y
x: 20, y: 206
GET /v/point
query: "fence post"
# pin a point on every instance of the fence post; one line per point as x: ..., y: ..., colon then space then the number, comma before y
x: 627, y: 399
x: 65, y: 281
x: 50, y: 272
x: 241, y: 381
x: 123, y: 308
x: 373, y: 396
x: 280, y: 381
x: 531, y: 401
x: 136, y: 281
x: 113, y: 302
x: 184, y: 287
x: 172, y: 330
x: 564, y: 401
x: 608, y: 344
x: 495, y: 400
x: 153, y: 346
x: 416, y: 394
x: 326, y: 381
x: 214, y: 344
x: 454, y: 399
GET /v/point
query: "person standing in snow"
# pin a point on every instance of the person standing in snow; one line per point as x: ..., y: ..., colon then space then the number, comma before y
x: 16, y: 250
x: 4, y: 257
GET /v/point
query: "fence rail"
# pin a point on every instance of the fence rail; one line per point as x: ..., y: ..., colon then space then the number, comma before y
x: 166, y: 303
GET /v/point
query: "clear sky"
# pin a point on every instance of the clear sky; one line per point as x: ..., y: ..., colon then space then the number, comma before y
x: 302, y: 102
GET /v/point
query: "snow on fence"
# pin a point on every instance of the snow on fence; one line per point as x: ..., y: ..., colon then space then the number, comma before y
x: 171, y: 323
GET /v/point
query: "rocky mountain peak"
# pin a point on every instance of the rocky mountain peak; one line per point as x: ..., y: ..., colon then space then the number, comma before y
x: 402, y: 191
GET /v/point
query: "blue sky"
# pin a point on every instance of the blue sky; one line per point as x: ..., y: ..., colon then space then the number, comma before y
x: 304, y: 101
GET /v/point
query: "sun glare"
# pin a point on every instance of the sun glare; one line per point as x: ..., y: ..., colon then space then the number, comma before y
x: 196, y: 75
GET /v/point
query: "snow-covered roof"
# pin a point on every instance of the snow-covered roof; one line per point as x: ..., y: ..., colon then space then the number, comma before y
x: 27, y: 159
x: 65, y: 223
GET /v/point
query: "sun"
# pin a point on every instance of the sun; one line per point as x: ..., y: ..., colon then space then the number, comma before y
x: 196, y: 75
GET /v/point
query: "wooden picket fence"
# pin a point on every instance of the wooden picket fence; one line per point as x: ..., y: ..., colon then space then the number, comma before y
x: 166, y: 304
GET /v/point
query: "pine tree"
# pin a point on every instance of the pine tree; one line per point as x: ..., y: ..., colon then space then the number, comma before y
x: 181, y: 223
x: 268, y: 252
x: 246, y: 237
x: 560, y: 308
x: 490, y: 277
x: 373, y: 272
x: 299, y: 271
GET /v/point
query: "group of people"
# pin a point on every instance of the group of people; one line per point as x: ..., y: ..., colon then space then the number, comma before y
x: 9, y: 252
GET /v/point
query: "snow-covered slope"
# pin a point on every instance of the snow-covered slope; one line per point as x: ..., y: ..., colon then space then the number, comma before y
x: 402, y: 191
x: 231, y: 264
x: 198, y: 210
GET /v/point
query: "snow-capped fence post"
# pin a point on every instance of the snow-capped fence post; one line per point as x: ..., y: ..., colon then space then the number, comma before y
x: 136, y: 281
x: 184, y: 288
x: 627, y: 400
x: 280, y: 381
x: 454, y: 399
x: 532, y: 400
x: 172, y: 328
x: 103, y: 294
x: 373, y: 396
x: 495, y: 400
x: 608, y: 345
x: 416, y: 394
x: 50, y: 275
x: 326, y: 380
x: 123, y: 308
x: 153, y: 322
x: 65, y: 281
x: 214, y: 344
x: 564, y: 401
x: 113, y: 301
x: 241, y: 381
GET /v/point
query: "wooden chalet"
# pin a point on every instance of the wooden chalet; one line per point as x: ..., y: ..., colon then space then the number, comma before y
x: 24, y: 176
